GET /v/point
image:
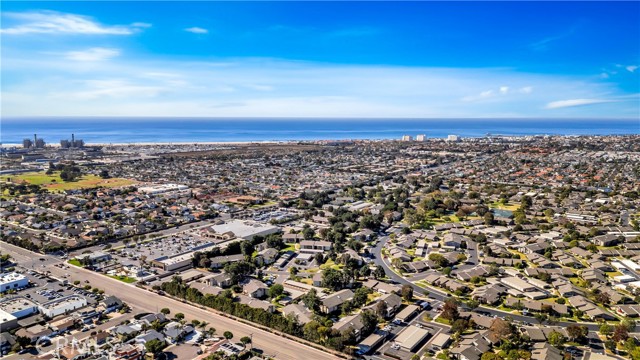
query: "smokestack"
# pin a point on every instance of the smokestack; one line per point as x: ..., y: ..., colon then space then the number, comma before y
x: 35, y: 139
x: 73, y: 141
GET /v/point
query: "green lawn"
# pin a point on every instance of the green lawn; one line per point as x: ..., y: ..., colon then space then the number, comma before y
x: 290, y: 247
x: 54, y: 183
x: 125, y: 279
x: 510, y: 207
x: 75, y: 262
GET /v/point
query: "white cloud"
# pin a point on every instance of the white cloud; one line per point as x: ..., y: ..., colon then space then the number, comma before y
x: 92, y: 54
x: 272, y: 87
x: 604, y: 75
x: 526, y: 90
x: 632, y: 68
x: 52, y: 22
x: 575, y: 102
x: 197, y: 30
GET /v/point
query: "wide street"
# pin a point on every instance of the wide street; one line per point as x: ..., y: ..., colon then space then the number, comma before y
x: 272, y: 345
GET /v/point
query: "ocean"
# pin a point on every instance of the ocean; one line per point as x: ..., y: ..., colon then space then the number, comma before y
x: 180, y: 130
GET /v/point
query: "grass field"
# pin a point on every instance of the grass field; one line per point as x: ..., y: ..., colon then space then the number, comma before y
x: 124, y: 279
x: 54, y: 183
x: 510, y: 207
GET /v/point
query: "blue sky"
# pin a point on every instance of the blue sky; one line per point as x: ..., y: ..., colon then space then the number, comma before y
x: 321, y: 59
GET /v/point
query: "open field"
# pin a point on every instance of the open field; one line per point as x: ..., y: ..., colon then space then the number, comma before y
x: 54, y: 183
x: 500, y: 206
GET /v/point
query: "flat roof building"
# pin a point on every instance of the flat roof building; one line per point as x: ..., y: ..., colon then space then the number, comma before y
x: 12, y: 281
x: 19, y: 307
x: 411, y: 337
x: 242, y: 229
x: 63, y: 305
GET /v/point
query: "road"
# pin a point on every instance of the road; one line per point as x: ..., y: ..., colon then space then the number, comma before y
x: 441, y: 295
x: 272, y: 345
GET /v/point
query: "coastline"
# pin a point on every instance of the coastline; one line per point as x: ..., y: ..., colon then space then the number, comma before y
x: 306, y: 141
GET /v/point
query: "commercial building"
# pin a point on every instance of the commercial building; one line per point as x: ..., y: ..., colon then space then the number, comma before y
x: 407, y: 138
x: 411, y: 337
x: 12, y: 281
x: 162, y: 189
x: 453, y: 138
x: 421, y: 137
x: 241, y: 229
x: 19, y: 307
x: 63, y: 305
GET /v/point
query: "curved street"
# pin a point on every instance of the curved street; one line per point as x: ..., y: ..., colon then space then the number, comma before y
x: 441, y: 295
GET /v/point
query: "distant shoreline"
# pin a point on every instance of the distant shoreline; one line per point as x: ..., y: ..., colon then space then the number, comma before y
x: 286, y: 142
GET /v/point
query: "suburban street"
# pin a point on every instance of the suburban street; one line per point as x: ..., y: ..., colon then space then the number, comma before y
x: 271, y: 344
x: 441, y: 295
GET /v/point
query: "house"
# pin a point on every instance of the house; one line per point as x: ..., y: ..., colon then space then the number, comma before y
x: 222, y: 280
x: 393, y: 302
x: 351, y: 322
x: 6, y: 343
x: 333, y: 302
x: 606, y: 240
x: 255, y: 289
x: 544, y: 351
x: 174, y: 331
x: 313, y: 247
x: 111, y: 304
x: 148, y: 336
x: 299, y: 312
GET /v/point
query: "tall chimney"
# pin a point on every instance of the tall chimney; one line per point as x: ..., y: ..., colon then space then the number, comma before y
x: 73, y: 141
x: 35, y: 140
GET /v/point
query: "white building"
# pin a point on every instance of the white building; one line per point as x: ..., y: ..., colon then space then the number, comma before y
x: 407, y: 138
x: 19, y: 307
x: 241, y: 229
x: 453, y: 138
x: 421, y: 137
x: 161, y: 189
x: 12, y: 280
x: 63, y: 305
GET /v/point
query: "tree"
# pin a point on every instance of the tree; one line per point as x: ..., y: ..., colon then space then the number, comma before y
x: 228, y: 335
x: 605, y: 329
x: 379, y: 273
x: 490, y: 356
x: 440, y: 260
x: 556, y: 339
x: 407, y: 292
x: 577, y: 332
x: 620, y: 333
x: 541, y: 317
x: 276, y: 290
x: 245, y: 340
x: 104, y: 174
x: 450, y: 310
x: 154, y: 346
x: 460, y: 325
x: 179, y: 316
x: 333, y: 279
x: 165, y: 311
x: 473, y: 304
x: 311, y: 300
x: 488, y: 218
x: 381, y: 309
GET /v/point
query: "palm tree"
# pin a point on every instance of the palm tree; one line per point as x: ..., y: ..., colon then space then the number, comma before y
x: 203, y: 325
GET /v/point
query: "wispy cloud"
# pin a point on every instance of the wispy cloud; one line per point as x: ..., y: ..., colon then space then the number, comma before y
x: 52, y: 22
x: 545, y: 43
x: 197, y: 30
x: 575, y: 102
x: 284, y: 88
x: 632, y: 68
x: 92, y: 54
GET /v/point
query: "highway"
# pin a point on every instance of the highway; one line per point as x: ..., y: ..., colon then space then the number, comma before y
x: 271, y: 344
x: 441, y: 295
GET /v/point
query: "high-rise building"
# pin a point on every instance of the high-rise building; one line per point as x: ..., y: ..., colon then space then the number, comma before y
x: 421, y: 137
x: 453, y: 138
x: 40, y: 143
x: 27, y: 143
x: 65, y: 144
x: 407, y: 138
